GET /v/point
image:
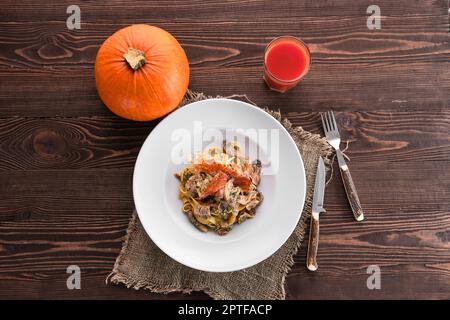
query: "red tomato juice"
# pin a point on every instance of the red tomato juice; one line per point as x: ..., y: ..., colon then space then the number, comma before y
x: 287, y: 59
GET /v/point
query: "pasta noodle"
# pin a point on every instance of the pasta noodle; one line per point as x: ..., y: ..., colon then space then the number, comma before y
x: 219, y: 189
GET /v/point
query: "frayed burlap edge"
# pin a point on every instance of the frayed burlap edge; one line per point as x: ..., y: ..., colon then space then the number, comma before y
x: 298, y: 134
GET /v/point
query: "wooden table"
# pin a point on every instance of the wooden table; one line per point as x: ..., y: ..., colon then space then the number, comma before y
x: 66, y: 162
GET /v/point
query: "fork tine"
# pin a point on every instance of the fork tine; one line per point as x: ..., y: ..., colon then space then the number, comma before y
x: 324, y: 124
x: 330, y: 122
x: 334, y: 120
x: 325, y: 116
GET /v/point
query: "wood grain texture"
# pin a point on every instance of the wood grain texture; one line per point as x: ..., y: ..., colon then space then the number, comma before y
x: 66, y: 162
x: 110, y: 142
x: 43, y: 230
x: 231, y: 10
x: 410, y: 51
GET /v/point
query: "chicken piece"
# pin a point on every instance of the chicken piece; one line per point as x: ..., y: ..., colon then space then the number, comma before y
x: 193, y: 185
x: 227, y: 190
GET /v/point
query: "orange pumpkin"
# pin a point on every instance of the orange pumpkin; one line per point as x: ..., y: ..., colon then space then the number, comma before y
x: 141, y: 72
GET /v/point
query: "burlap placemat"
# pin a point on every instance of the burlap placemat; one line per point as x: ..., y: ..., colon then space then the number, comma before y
x: 142, y: 265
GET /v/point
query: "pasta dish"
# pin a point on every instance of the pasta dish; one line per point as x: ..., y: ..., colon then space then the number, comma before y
x: 219, y: 188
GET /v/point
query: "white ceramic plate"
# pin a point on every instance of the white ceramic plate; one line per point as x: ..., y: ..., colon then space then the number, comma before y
x: 164, y: 152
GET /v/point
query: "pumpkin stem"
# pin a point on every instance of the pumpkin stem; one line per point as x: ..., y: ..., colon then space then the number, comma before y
x: 135, y: 58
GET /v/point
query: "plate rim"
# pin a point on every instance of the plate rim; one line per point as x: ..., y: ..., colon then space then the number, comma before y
x: 236, y: 267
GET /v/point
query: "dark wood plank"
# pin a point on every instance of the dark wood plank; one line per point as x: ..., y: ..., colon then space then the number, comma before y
x: 70, y: 143
x: 80, y: 217
x: 93, y: 287
x: 107, y: 142
x: 392, y: 88
x: 394, y: 136
x: 404, y: 65
x: 36, y: 45
x: 230, y: 10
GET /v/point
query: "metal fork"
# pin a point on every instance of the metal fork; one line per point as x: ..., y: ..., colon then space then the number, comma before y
x: 334, y: 139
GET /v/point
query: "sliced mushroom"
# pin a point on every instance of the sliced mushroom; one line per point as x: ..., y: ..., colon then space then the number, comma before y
x: 197, y: 224
x: 255, y: 172
x: 244, y: 216
x: 202, y: 211
x: 223, y: 231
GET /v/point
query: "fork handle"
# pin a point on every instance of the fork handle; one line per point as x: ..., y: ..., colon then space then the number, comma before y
x: 313, y: 244
x: 352, y: 195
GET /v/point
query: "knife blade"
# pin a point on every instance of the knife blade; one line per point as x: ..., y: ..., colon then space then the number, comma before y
x: 317, y: 209
x: 319, y: 188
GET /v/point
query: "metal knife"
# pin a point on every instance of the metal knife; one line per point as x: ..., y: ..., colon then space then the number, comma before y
x: 317, y: 209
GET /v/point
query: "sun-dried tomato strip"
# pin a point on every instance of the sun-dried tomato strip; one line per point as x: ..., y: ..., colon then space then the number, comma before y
x: 214, y: 168
x: 242, y: 181
x: 215, y: 184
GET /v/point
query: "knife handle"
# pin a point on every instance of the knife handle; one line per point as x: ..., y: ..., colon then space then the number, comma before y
x: 352, y: 195
x: 313, y: 245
